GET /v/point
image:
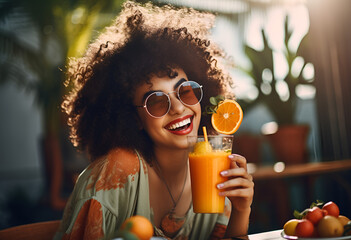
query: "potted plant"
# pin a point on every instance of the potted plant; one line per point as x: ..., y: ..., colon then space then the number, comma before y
x: 281, y: 107
x: 61, y: 29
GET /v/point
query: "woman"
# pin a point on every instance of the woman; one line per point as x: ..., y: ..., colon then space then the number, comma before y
x: 137, y: 96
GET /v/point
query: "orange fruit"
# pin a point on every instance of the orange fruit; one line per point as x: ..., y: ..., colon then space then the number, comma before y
x: 343, y: 220
x: 228, y: 117
x: 290, y: 226
x: 140, y: 226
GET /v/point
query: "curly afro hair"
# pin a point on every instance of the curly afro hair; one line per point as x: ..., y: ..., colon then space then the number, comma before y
x: 143, y: 40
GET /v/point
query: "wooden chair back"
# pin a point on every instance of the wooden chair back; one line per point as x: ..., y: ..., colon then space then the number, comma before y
x: 38, y: 231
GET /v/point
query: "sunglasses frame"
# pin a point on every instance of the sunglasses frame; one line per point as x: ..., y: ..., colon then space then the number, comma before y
x: 169, y: 100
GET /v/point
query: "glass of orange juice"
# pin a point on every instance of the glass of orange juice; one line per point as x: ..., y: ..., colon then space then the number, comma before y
x: 207, y: 160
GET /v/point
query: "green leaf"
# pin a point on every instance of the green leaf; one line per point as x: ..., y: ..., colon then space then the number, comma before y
x: 214, y: 105
x: 49, y: 22
x: 298, y: 215
x: 220, y: 98
x: 317, y: 203
x: 209, y: 110
x: 213, y: 101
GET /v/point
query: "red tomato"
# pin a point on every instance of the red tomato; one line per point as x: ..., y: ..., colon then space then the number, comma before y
x: 315, y: 214
x: 304, y: 228
x: 332, y: 209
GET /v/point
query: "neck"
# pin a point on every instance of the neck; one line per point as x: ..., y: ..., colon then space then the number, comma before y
x: 172, y: 164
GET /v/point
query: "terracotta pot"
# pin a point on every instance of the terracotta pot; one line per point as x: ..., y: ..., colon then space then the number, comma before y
x: 248, y: 146
x: 289, y: 144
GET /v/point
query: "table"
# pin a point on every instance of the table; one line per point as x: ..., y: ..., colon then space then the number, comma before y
x: 271, y: 235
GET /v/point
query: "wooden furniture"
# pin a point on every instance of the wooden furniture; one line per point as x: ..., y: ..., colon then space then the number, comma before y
x: 274, y: 197
x: 38, y: 231
x: 316, y: 168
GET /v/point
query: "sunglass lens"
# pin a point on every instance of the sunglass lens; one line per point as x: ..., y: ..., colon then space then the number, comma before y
x: 157, y: 104
x: 190, y: 93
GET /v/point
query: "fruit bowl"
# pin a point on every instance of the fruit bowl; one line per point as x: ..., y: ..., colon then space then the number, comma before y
x: 298, y: 238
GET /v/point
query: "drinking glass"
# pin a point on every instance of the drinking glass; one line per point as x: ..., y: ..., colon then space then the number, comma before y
x: 207, y: 160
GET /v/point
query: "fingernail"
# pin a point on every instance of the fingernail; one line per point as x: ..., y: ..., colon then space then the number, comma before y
x: 224, y: 173
x: 221, y: 185
x: 231, y: 156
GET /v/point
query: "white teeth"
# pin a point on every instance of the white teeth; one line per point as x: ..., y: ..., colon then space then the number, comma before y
x: 179, y: 124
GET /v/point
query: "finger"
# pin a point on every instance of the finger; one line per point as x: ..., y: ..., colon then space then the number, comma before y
x: 240, y: 192
x: 236, y: 183
x: 237, y: 172
x: 239, y: 160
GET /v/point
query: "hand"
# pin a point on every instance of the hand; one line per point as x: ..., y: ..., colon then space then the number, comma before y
x: 239, y: 188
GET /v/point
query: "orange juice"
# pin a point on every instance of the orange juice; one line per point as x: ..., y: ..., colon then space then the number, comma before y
x: 205, y: 171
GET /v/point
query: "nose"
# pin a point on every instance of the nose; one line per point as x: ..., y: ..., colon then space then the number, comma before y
x: 177, y: 107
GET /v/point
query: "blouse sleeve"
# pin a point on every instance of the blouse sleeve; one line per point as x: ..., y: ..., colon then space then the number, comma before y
x: 104, y: 196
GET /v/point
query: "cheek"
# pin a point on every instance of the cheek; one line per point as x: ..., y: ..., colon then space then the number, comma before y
x: 197, y: 110
x: 146, y: 122
x: 152, y: 125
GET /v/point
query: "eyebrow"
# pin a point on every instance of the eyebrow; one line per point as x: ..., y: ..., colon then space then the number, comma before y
x: 174, y: 88
x: 179, y: 83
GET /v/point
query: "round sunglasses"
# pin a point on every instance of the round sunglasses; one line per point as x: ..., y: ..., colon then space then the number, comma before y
x: 157, y: 104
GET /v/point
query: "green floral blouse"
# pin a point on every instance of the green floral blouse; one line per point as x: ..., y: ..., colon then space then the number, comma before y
x: 116, y: 187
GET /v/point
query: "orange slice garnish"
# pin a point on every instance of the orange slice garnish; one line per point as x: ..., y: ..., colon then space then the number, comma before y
x: 228, y: 117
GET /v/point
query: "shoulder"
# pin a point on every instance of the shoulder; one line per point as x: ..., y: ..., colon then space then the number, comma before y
x: 126, y: 160
x: 123, y: 159
x: 113, y: 170
x: 116, y: 160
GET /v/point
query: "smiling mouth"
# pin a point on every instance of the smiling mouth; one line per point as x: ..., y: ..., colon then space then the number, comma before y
x: 179, y: 126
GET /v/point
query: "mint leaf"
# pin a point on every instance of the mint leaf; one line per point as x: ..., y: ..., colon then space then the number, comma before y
x: 214, y: 105
x: 213, y: 101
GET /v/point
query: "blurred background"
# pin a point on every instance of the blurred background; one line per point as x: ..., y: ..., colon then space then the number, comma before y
x: 292, y: 78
